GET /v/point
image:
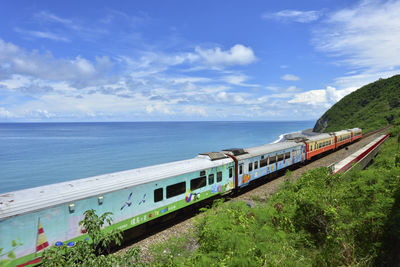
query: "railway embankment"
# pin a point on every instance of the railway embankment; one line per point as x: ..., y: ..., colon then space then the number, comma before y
x: 307, y: 217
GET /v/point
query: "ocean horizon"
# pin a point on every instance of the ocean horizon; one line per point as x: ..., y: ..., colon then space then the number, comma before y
x: 39, y: 153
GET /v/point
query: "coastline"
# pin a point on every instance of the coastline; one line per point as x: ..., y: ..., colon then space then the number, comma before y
x: 292, y: 135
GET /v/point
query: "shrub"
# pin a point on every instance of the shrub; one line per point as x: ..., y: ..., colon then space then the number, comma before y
x: 95, y: 251
x: 319, y: 220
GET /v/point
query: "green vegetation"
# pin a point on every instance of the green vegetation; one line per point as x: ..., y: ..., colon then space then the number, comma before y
x: 348, y: 219
x: 96, y: 251
x: 10, y: 254
x: 370, y: 107
x: 319, y: 220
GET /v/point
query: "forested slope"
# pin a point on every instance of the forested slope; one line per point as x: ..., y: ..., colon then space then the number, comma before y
x: 372, y: 106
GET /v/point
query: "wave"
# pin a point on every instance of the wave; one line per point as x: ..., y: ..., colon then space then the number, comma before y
x: 283, y: 137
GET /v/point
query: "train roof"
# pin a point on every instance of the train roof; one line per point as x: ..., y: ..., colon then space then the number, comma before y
x: 342, y: 132
x: 37, y: 198
x: 354, y: 130
x: 319, y: 137
x: 268, y: 148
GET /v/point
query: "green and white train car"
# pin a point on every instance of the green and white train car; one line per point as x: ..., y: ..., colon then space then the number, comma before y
x: 36, y: 218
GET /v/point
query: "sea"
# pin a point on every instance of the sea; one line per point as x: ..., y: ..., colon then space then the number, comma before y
x: 36, y: 154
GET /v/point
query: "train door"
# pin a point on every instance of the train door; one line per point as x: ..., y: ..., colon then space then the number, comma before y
x: 231, y: 182
x: 240, y: 174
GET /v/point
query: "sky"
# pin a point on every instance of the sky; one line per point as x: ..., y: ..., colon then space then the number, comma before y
x: 190, y: 60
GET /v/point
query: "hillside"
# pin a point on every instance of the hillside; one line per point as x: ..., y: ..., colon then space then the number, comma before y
x: 372, y: 106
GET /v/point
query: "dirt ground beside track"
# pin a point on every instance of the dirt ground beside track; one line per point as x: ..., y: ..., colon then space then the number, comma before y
x: 261, y: 192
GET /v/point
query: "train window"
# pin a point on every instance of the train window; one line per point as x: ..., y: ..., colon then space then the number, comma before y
x: 210, y: 179
x: 311, y: 148
x: 280, y: 157
x: 197, y: 183
x: 256, y: 165
x: 272, y: 160
x: 158, y: 194
x: 219, y: 177
x: 241, y: 169
x: 176, y: 189
x: 262, y: 157
x: 203, y: 173
x: 287, y: 155
x: 263, y: 162
x: 230, y: 172
x: 250, y: 166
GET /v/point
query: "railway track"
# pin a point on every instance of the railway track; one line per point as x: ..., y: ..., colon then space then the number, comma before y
x: 260, y: 190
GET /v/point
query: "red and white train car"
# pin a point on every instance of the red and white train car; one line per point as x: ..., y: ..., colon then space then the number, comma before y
x: 356, y: 133
x: 342, y: 137
x: 318, y: 144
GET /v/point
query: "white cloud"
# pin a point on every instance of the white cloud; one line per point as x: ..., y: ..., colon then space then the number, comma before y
x: 45, y: 16
x: 41, y: 34
x: 39, y: 113
x: 361, y: 79
x: 5, y: 114
x: 194, y: 110
x: 78, y: 71
x: 290, y: 77
x: 238, y: 79
x: 160, y: 108
x: 41, y: 87
x: 365, y: 36
x: 292, y: 89
x: 294, y: 15
x: 236, y: 55
x: 191, y: 80
x: 84, y: 65
x: 322, y: 97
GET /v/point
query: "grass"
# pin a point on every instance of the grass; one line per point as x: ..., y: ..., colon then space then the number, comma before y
x: 319, y: 220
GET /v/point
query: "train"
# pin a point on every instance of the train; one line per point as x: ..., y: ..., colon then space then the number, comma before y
x: 35, y: 219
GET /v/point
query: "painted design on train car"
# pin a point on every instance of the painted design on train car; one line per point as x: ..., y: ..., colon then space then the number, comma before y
x: 293, y: 156
x: 277, y: 160
x: 61, y: 225
x: 190, y: 196
x: 214, y: 188
x: 143, y: 200
x: 246, y: 178
x: 41, y: 242
x: 127, y: 203
x: 230, y: 185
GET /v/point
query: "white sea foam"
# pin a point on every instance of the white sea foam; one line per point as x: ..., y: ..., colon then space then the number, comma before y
x: 282, y: 137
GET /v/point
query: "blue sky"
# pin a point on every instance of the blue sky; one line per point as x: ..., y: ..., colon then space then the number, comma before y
x: 190, y: 60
